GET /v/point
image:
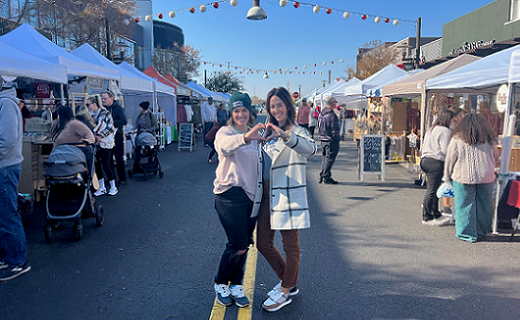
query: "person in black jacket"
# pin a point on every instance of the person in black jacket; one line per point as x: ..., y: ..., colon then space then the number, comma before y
x: 329, y: 135
x: 119, y: 115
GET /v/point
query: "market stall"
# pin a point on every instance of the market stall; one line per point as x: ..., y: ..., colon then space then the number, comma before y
x: 406, y: 100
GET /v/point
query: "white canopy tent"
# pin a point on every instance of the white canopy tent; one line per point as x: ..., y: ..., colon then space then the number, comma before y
x: 18, y: 63
x: 356, y: 95
x: 336, y: 89
x: 26, y: 38
x: 166, y: 98
x: 206, y: 92
x: 415, y: 85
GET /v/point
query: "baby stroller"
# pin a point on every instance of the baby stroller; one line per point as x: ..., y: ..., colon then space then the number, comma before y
x: 68, y: 176
x: 145, y: 148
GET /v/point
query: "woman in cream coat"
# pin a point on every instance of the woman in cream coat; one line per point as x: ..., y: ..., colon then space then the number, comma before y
x: 284, y: 204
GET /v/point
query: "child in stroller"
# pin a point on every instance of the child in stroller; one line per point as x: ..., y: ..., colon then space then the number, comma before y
x: 146, y: 143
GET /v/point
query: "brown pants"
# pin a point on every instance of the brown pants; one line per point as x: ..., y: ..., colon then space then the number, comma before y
x: 286, y: 270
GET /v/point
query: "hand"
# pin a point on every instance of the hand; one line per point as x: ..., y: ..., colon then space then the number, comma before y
x: 254, y: 133
x: 276, y: 132
x: 98, y: 139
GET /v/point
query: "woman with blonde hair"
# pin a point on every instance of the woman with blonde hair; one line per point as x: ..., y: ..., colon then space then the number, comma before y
x: 104, y: 132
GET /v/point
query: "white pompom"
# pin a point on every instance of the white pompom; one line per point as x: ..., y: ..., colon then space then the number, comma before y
x: 396, y: 22
x: 316, y: 9
x: 172, y: 14
x: 377, y: 19
x: 283, y: 3
x: 346, y: 14
x: 234, y: 3
x: 202, y: 8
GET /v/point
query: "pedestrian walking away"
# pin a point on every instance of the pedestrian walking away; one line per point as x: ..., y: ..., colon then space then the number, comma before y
x: 329, y: 135
x: 284, y: 203
x: 470, y: 165
x: 238, y: 191
x: 120, y: 121
x: 209, y: 139
x: 303, y: 114
x: 13, y: 260
x: 434, y: 150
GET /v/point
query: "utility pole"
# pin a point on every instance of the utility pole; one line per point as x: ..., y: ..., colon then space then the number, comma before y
x: 107, y: 30
x: 418, y: 44
x: 329, y: 75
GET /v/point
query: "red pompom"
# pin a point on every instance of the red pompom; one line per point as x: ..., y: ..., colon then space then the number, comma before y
x: 137, y: 20
x: 387, y: 20
x: 329, y: 11
x: 215, y: 5
x: 192, y: 10
x: 160, y: 16
x: 296, y: 4
x: 364, y: 17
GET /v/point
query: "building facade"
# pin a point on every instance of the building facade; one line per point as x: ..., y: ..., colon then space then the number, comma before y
x: 497, y: 21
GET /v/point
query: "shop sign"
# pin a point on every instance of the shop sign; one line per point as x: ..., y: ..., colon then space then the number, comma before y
x: 95, y: 83
x: 471, y: 46
x: 502, y: 97
x: 43, y: 90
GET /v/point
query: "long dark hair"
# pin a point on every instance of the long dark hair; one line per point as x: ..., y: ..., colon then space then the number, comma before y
x: 444, y: 119
x: 474, y: 129
x: 65, y: 114
x: 285, y: 96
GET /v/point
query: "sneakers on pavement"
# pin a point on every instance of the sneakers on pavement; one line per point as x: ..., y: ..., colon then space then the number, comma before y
x: 239, y: 295
x: 210, y: 161
x: 8, y: 274
x: 292, y: 292
x: 443, y: 220
x: 4, y: 265
x: 100, y: 192
x: 112, y: 192
x: 223, y: 294
x: 330, y: 181
x: 276, y: 301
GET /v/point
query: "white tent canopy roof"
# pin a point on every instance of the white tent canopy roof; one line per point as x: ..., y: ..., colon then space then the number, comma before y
x: 18, y: 63
x: 129, y: 81
x: 514, y: 67
x: 26, y: 38
x: 207, y: 92
x: 386, y: 75
x: 416, y: 84
x: 158, y: 86
x: 486, y: 73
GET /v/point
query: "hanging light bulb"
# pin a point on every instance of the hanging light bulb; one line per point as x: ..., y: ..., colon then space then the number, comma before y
x: 233, y: 3
x: 346, y: 14
x: 316, y: 9
x: 377, y: 19
x: 256, y: 12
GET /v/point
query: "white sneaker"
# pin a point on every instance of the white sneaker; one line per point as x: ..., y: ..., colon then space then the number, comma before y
x: 100, y: 192
x: 239, y: 295
x: 292, y: 292
x: 113, y: 191
x: 276, y: 302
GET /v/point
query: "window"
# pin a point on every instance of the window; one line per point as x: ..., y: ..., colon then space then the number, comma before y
x: 515, y: 10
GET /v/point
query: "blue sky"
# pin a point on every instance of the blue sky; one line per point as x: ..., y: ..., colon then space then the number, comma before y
x: 291, y: 37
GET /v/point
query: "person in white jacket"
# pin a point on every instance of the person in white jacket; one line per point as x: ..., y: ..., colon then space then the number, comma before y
x: 284, y: 202
x: 236, y: 187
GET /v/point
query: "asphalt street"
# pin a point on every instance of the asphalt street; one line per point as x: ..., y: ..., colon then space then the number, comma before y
x: 366, y: 255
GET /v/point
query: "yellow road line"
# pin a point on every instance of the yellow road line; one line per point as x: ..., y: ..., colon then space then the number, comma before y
x: 219, y: 311
x: 249, y: 284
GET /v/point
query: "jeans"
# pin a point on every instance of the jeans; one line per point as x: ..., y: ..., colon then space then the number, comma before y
x: 330, y: 152
x: 118, y: 152
x: 286, y: 269
x: 212, y: 146
x: 12, y: 235
x: 434, y: 169
x: 234, y: 211
x: 473, y: 210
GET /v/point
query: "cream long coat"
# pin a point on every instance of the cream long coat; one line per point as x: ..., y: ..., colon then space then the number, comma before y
x: 288, y: 184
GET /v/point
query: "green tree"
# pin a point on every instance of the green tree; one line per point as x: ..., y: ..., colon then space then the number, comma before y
x: 224, y: 82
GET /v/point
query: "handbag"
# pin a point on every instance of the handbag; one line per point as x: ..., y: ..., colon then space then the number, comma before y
x: 316, y: 114
x: 446, y: 190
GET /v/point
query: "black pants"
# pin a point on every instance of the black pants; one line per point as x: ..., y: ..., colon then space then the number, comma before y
x: 207, y: 127
x: 311, y: 131
x: 118, y: 152
x: 434, y: 169
x: 212, y: 146
x: 330, y: 152
x: 234, y: 211
x: 103, y: 164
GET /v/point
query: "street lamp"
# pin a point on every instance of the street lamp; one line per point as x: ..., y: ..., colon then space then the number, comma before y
x: 256, y: 12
